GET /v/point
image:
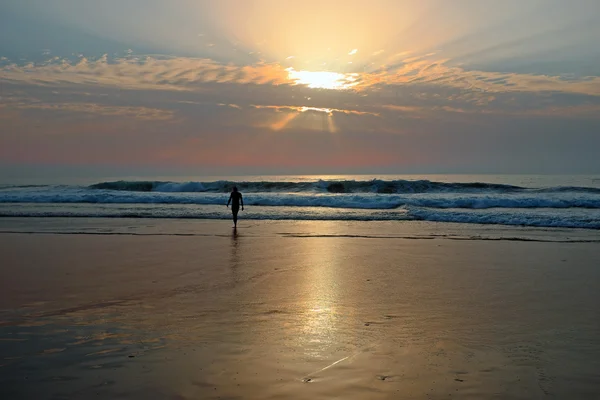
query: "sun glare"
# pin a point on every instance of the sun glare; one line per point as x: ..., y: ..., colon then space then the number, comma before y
x: 328, y: 111
x: 322, y: 79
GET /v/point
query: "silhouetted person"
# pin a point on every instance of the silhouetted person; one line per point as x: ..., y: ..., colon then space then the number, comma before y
x: 235, y: 199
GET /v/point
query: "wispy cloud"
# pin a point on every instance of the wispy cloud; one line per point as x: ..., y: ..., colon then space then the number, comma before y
x: 576, y: 111
x: 441, y: 73
x: 142, y: 113
x: 189, y: 74
x: 328, y: 111
x: 288, y: 114
x: 177, y: 73
x: 230, y: 105
x: 422, y: 89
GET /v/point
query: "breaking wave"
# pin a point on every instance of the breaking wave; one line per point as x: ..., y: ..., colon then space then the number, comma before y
x: 342, y: 186
x: 534, y: 218
x: 342, y: 200
x: 475, y: 202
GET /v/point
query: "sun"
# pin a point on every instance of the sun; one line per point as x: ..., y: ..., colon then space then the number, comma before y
x: 323, y: 79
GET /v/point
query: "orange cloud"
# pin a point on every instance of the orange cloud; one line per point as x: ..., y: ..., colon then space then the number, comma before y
x: 178, y: 73
x: 328, y: 111
x: 144, y: 113
x: 188, y: 74
x: 416, y: 71
x: 296, y: 111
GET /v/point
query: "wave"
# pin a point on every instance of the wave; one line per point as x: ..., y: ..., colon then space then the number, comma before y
x: 275, y: 199
x: 334, y: 186
x: 359, y: 200
x: 412, y: 214
x: 330, y: 186
x: 572, y: 189
x: 504, y: 218
x: 12, y: 187
x: 351, y: 201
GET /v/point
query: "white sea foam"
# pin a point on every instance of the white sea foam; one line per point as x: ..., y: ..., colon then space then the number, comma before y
x: 514, y: 217
x: 482, y: 203
x: 565, y: 218
x: 345, y: 200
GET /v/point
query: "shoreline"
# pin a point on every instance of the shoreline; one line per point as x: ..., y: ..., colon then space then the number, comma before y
x: 307, y: 228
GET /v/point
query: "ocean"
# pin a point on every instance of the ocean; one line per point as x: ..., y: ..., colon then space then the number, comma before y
x: 562, y: 201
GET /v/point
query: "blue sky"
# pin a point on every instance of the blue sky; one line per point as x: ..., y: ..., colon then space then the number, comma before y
x: 301, y: 86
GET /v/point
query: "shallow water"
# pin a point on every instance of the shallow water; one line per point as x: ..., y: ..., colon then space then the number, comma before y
x: 516, y: 200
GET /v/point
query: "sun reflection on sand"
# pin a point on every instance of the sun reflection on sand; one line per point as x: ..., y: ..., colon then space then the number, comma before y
x: 321, y: 314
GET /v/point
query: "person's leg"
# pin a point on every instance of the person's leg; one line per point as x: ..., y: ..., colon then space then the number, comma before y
x: 235, y: 213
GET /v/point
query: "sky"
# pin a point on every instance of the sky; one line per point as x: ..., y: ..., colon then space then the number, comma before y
x: 308, y: 87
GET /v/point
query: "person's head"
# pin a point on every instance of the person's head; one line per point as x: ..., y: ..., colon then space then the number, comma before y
x: 234, y: 189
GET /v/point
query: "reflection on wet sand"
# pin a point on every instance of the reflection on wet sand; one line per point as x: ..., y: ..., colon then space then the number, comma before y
x: 234, y: 261
x: 320, y: 313
x: 241, y: 316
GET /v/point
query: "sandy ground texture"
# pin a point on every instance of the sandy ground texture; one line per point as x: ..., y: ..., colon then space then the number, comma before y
x: 295, y: 311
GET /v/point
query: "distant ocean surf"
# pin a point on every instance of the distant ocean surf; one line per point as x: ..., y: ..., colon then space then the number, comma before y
x: 478, y: 202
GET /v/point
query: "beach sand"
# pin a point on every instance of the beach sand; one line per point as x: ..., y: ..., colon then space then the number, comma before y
x: 311, y: 310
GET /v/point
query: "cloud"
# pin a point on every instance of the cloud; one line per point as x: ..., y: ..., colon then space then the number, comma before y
x: 587, y: 111
x: 230, y: 105
x: 328, y: 111
x: 409, y: 109
x: 414, y: 71
x: 177, y: 73
x: 194, y: 92
x: 141, y: 113
x: 190, y: 74
x: 292, y: 116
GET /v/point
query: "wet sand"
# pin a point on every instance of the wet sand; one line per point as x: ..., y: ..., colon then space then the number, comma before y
x: 296, y: 311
